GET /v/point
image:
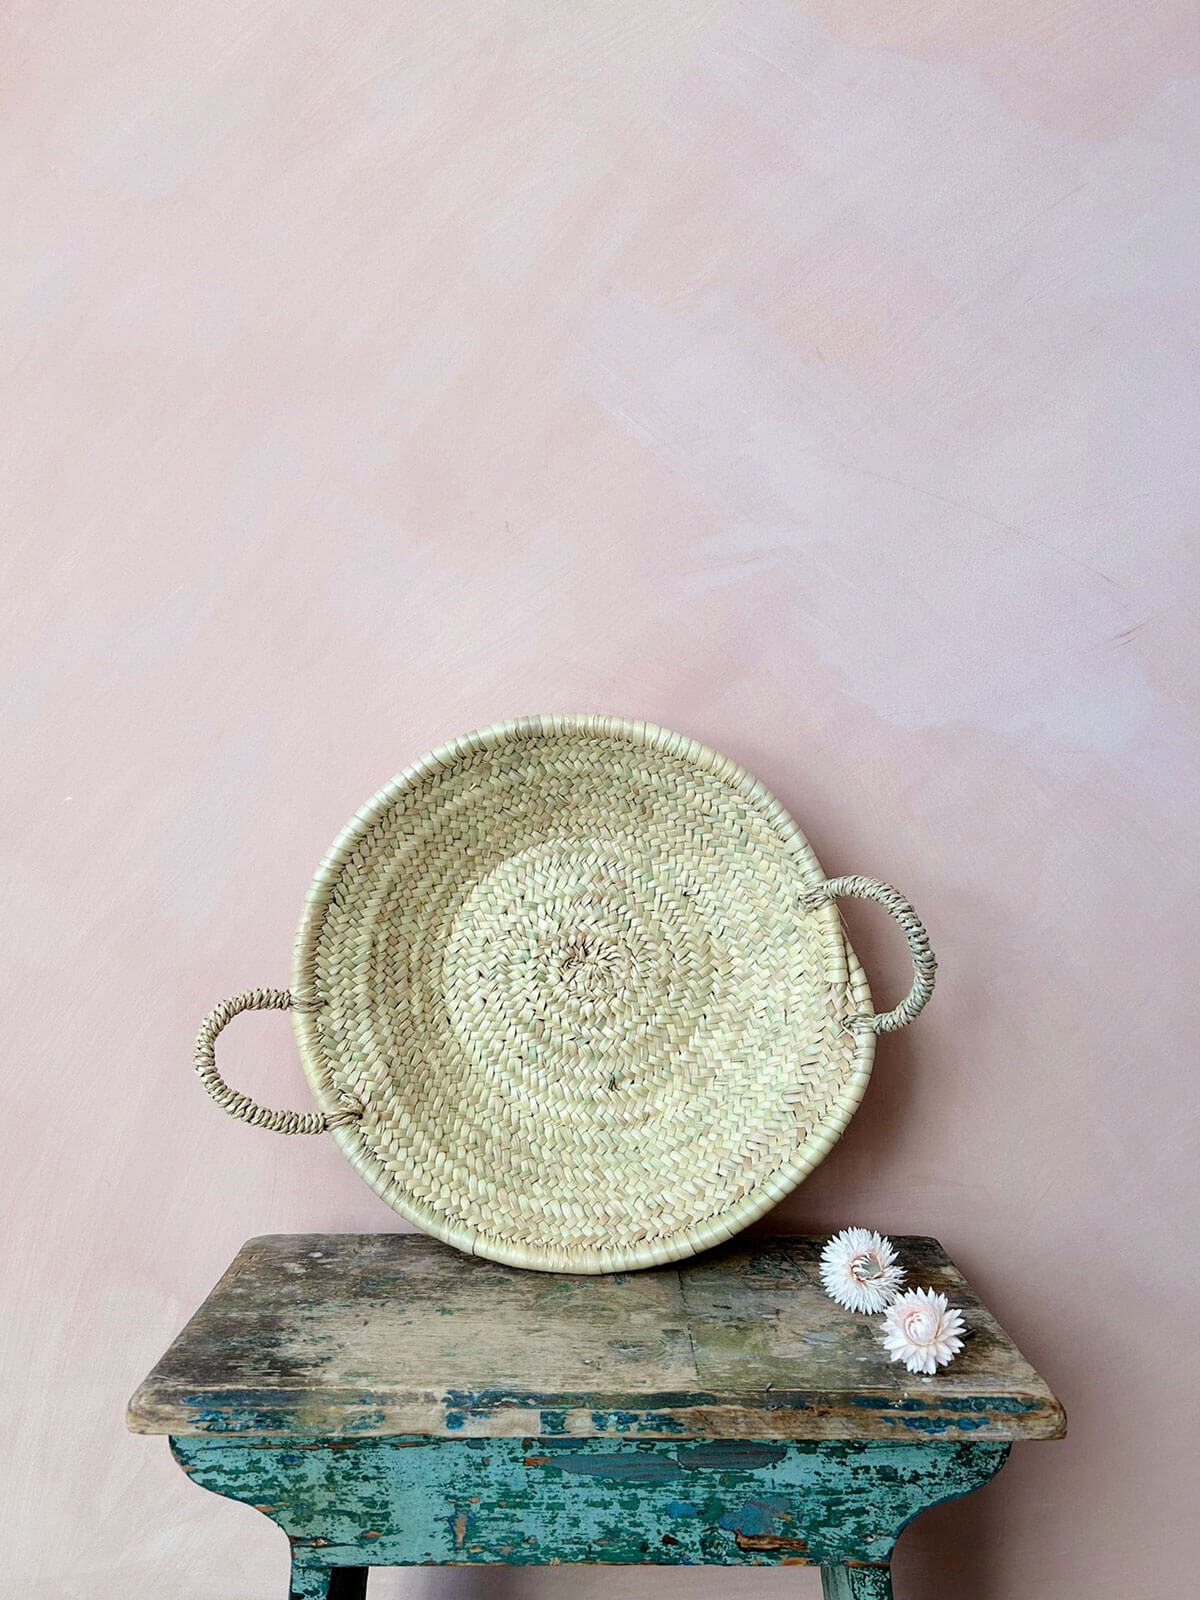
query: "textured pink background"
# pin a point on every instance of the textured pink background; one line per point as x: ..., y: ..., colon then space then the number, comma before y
x: 823, y: 388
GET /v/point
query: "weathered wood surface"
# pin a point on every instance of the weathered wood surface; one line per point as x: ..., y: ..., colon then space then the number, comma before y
x: 428, y: 1501
x: 343, y: 1335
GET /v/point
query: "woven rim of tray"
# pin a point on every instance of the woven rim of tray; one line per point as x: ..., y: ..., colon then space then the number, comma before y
x: 356, y: 977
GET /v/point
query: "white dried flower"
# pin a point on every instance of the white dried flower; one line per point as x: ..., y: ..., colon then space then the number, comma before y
x: 922, y: 1330
x: 859, y: 1271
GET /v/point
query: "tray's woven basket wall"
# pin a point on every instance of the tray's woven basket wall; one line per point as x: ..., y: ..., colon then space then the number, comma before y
x: 571, y: 994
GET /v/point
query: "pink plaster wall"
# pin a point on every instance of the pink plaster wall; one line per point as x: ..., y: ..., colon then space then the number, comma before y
x: 818, y: 379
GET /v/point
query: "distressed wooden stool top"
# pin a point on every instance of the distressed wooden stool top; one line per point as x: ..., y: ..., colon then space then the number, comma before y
x: 359, y: 1335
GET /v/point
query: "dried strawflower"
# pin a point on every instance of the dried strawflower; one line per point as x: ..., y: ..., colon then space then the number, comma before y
x: 859, y: 1271
x: 922, y: 1330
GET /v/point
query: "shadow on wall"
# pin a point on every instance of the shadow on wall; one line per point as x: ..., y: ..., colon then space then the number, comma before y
x: 956, y: 1551
x: 848, y: 1186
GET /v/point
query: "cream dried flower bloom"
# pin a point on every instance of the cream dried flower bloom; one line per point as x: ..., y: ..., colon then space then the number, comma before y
x: 859, y: 1271
x: 922, y: 1330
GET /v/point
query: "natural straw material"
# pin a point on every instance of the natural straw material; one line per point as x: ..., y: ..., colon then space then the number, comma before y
x: 573, y: 993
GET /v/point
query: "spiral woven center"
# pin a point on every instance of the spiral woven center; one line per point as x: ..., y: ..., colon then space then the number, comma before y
x: 572, y: 983
x: 586, y: 964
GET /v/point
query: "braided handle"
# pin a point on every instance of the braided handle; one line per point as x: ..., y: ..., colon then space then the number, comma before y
x: 923, y: 960
x: 241, y: 1105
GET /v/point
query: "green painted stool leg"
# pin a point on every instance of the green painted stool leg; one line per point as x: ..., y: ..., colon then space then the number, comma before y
x: 856, y: 1583
x: 313, y: 1580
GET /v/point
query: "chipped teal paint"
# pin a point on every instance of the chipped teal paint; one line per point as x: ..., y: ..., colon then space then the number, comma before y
x: 954, y: 1403
x: 212, y: 1413
x: 635, y: 1422
x: 463, y: 1408
x: 908, y: 1414
x: 856, y: 1583
x: 418, y: 1500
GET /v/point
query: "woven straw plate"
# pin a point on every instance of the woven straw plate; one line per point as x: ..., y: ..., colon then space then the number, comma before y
x: 573, y: 993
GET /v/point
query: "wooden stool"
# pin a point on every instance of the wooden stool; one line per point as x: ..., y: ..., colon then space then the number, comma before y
x: 391, y: 1402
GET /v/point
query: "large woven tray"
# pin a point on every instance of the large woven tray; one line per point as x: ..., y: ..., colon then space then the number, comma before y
x: 573, y: 993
